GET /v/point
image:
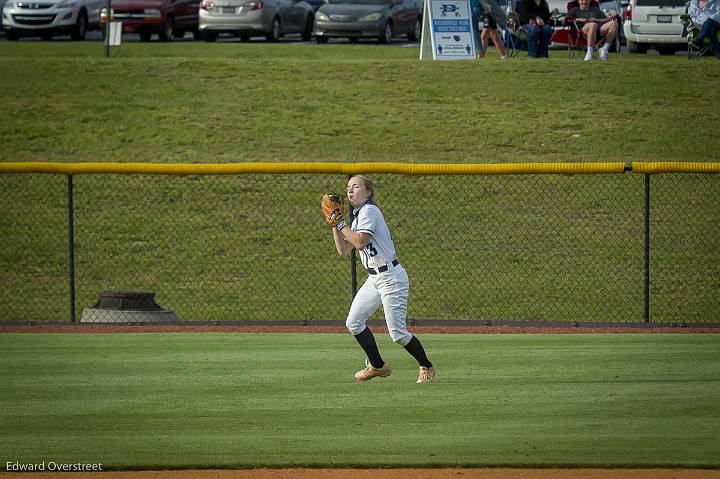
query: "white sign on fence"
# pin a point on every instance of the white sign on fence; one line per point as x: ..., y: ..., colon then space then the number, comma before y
x: 447, y: 30
x: 115, y: 36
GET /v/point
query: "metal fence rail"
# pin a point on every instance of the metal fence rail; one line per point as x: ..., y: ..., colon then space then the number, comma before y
x: 524, y: 245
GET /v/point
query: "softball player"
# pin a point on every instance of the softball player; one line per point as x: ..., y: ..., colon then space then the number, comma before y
x: 387, y: 283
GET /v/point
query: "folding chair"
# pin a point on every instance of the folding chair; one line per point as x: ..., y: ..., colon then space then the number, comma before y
x: 577, y: 39
x: 514, y: 35
x: 691, y: 31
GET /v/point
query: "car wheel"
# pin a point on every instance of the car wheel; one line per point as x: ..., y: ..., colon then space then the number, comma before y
x: 209, y: 36
x: 387, y: 34
x: 274, y: 34
x: 667, y: 50
x: 178, y: 34
x: 636, y: 47
x: 196, y: 34
x: 321, y: 40
x: 80, y: 29
x: 47, y: 36
x: 145, y: 36
x: 307, y: 31
x: 12, y: 36
x: 353, y: 39
x: 416, y: 32
x: 167, y: 31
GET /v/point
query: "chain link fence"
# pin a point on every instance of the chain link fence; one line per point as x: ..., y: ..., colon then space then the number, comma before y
x: 685, y: 248
x: 253, y: 247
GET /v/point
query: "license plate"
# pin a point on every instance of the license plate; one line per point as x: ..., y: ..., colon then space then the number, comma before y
x: 228, y: 9
x: 664, y: 18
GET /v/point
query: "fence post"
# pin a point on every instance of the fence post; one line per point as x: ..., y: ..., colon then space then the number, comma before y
x: 71, y: 246
x: 353, y: 264
x: 108, y: 18
x: 646, y: 254
x: 353, y: 274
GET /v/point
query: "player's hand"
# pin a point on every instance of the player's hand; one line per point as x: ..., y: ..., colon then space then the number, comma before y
x: 333, y: 209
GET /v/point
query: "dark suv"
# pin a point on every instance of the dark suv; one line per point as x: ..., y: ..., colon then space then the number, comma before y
x: 167, y: 18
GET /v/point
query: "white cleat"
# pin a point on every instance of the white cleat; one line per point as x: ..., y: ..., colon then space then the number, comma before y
x: 370, y: 372
x: 427, y: 375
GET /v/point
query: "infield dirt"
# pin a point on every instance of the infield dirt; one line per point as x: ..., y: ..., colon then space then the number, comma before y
x: 377, y: 326
x: 385, y: 474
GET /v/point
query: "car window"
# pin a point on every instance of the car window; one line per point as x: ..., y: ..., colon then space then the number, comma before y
x: 561, y: 5
x: 660, y: 3
x: 612, y: 5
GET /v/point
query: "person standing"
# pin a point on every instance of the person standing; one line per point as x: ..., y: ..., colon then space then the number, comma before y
x: 490, y: 29
x: 387, y: 283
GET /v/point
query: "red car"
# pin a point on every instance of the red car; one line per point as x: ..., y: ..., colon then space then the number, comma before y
x: 166, y: 18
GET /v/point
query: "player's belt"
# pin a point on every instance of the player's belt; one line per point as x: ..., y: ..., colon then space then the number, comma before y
x: 381, y: 269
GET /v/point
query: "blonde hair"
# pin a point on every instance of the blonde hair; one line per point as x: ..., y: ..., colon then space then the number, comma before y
x: 368, y: 184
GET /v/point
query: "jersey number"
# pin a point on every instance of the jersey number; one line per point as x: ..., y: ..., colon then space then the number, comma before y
x: 371, y: 250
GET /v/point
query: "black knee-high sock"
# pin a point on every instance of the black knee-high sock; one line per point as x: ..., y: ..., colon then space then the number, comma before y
x: 366, y: 340
x: 415, y: 348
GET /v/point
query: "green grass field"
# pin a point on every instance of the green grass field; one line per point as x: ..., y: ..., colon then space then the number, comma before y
x: 136, y: 401
x: 552, y: 248
x: 195, y: 102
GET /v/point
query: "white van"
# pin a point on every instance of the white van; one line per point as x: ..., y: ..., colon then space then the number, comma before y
x: 656, y: 24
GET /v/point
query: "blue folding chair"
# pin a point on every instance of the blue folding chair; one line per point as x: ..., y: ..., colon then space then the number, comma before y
x: 691, y: 31
x: 514, y: 35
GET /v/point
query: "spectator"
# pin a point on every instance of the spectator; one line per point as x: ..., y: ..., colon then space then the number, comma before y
x: 594, y: 22
x: 535, y: 19
x: 491, y: 30
x: 705, y: 14
x: 476, y: 15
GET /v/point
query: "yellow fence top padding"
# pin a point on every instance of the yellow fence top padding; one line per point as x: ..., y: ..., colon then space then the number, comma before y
x: 674, y: 167
x: 316, y: 168
x: 353, y: 168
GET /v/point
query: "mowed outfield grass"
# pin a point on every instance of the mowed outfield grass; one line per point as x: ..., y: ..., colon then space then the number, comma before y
x: 136, y: 401
x: 230, y: 102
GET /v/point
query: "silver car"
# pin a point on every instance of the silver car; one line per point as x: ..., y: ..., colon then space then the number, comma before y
x: 381, y: 19
x: 45, y: 18
x: 245, y: 18
x: 654, y: 23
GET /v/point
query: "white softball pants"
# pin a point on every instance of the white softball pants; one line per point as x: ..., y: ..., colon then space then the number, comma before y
x: 390, y: 289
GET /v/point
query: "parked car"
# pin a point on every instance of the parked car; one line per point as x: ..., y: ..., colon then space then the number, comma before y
x: 46, y: 18
x: 381, y: 19
x: 245, y: 18
x: 166, y: 18
x: 315, y: 4
x: 654, y: 23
